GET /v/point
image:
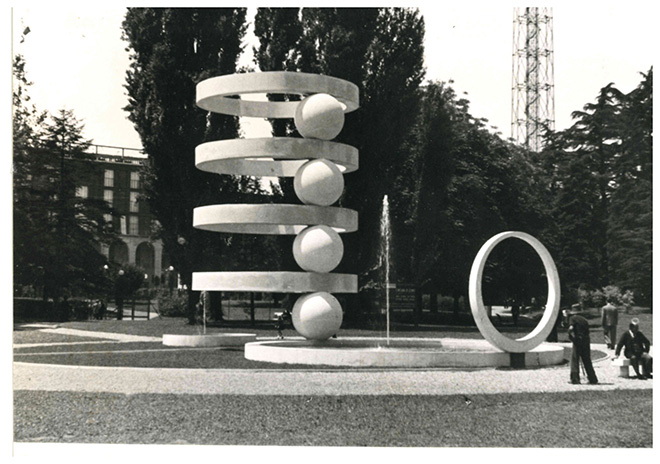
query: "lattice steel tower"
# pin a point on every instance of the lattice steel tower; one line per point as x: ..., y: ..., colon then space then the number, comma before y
x: 533, y: 89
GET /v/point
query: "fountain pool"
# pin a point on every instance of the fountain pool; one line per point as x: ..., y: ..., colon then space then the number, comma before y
x: 400, y: 353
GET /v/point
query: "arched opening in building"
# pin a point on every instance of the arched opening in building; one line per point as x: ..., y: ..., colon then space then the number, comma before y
x: 118, y: 253
x: 145, y: 258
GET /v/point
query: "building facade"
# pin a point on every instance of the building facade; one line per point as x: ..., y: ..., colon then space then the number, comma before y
x: 116, y: 178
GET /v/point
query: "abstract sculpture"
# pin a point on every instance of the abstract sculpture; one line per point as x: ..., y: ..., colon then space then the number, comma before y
x: 486, y: 327
x: 317, y: 165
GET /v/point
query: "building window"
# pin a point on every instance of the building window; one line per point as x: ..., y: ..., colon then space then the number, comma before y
x: 134, y: 207
x: 135, y: 180
x: 133, y: 226
x: 82, y: 191
x: 109, y: 178
x: 107, y: 196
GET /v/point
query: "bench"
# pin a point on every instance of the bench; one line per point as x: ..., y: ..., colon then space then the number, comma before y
x: 624, y: 366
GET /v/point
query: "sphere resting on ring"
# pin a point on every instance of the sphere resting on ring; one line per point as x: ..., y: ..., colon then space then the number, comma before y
x: 318, y: 249
x: 319, y: 116
x: 317, y: 316
x: 318, y: 182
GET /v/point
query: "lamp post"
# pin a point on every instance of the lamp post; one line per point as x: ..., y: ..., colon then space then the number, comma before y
x: 170, y: 278
x: 120, y: 289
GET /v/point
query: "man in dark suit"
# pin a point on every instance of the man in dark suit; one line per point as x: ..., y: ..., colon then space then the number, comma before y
x: 578, y: 332
x: 637, y: 348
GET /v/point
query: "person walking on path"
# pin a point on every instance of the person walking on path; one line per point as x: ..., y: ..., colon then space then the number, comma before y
x: 578, y: 332
x: 609, y: 318
x: 637, y: 348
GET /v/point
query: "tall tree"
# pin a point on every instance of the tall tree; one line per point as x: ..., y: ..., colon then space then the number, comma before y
x: 430, y: 151
x: 80, y: 224
x: 27, y: 131
x: 171, y: 50
x: 467, y: 185
x: 600, y: 173
x: 57, y: 243
x: 27, y: 128
x: 278, y: 31
x: 393, y: 72
x: 630, y: 222
x: 379, y: 50
x: 56, y: 231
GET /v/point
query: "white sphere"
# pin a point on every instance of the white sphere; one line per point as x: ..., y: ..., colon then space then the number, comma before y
x: 319, y: 116
x: 318, y: 249
x: 317, y: 316
x: 318, y: 182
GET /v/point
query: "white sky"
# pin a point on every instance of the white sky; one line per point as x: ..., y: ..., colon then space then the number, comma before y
x: 76, y: 58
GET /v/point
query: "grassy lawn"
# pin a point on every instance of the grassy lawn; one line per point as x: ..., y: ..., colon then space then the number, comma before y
x: 155, y: 354
x: 23, y: 337
x: 579, y: 419
x: 572, y: 419
x: 145, y: 354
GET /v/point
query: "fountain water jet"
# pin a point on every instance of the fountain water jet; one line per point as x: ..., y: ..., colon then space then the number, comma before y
x: 385, y: 237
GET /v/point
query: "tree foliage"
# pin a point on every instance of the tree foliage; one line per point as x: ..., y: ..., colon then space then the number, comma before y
x: 463, y: 185
x: 630, y: 220
x: 600, y: 173
x: 57, y: 232
x: 451, y: 183
x: 171, y: 50
x: 378, y: 49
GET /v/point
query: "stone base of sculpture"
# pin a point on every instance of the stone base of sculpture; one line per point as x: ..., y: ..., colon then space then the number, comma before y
x: 208, y: 340
x: 401, y: 352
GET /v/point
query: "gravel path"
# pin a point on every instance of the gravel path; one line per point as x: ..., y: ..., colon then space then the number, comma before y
x: 48, y: 377
x: 29, y: 376
x: 108, y: 335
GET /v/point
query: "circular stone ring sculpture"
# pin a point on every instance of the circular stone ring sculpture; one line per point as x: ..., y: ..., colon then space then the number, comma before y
x: 317, y: 165
x: 213, y: 94
x: 486, y: 327
x: 276, y: 281
x: 272, y: 218
x: 277, y: 156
